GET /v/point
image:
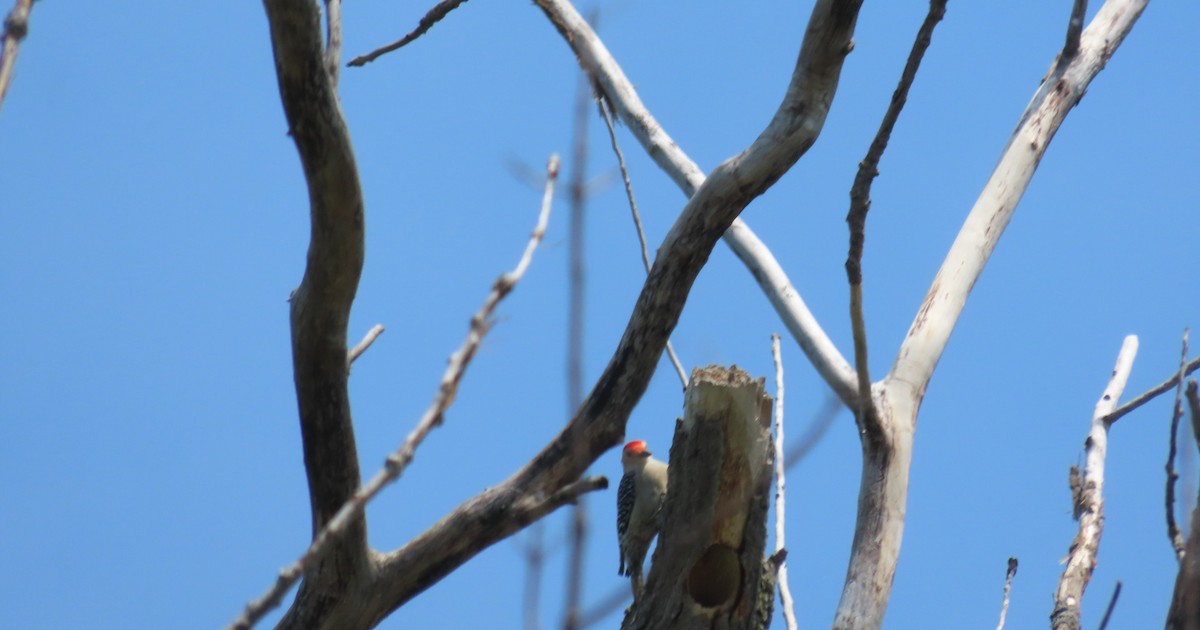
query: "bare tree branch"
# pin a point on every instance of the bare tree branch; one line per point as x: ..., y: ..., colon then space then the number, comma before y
x: 1074, y: 29
x: 1059, y: 92
x: 884, y: 486
x: 637, y: 221
x: 860, y: 203
x: 1112, y: 604
x: 439, y: 11
x: 366, y: 342
x: 320, y: 306
x: 1008, y: 580
x: 1081, y: 559
x: 785, y: 593
x: 348, y: 518
x: 815, y: 432
x: 576, y: 282
x: 16, y: 26
x: 1173, y: 533
x: 599, y: 424
x: 619, y: 92
x: 535, y: 563
x: 1152, y: 393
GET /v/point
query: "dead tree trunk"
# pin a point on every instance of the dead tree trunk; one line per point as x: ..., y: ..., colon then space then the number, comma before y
x: 707, y: 571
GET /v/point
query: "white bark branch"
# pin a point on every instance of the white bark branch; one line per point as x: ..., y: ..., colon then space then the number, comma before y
x: 1081, y: 560
x: 619, y: 91
x: 785, y: 592
x: 883, y: 492
x: 1060, y: 91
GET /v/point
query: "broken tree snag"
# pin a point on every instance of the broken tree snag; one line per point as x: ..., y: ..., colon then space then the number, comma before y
x: 708, y: 568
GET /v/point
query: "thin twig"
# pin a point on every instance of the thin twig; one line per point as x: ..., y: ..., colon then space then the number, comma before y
x: 816, y: 430
x: 614, y: 601
x: 16, y: 26
x: 1112, y: 603
x: 785, y: 593
x: 439, y: 11
x: 1008, y: 580
x: 366, y: 342
x: 1173, y: 533
x: 1152, y: 393
x: 1074, y: 30
x: 433, y: 417
x: 860, y: 204
x: 333, y: 39
x: 576, y: 281
x: 1193, y: 399
x: 637, y: 220
x: 535, y: 560
x: 1081, y: 559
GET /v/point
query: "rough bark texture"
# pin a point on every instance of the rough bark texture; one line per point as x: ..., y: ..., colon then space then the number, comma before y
x: 708, y: 569
x: 320, y: 307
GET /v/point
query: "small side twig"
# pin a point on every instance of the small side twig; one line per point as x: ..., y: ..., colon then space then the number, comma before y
x: 433, y: 16
x: 1112, y: 603
x: 1193, y: 399
x: 785, y: 593
x: 1081, y: 559
x: 333, y: 39
x: 16, y: 26
x: 860, y: 204
x: 576, y: 308
x: 604, y: 107
x: 1152, y: 393
x: 535, y: 562
x: 1074, y: 30
x: 433, y: 417
x: 1173, y: 533
x: 366, y: 342
x: 1008, y: 580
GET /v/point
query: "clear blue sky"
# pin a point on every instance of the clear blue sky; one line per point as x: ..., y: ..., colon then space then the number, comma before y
x: 155, y: 219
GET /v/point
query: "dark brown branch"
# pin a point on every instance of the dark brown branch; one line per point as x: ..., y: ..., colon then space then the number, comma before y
x: 1152, y: 393
x: 16, y: 26
x: 320, y: 308
x: 1112, y: 604
x: 860, y: 203
x: 439, y: 11
x: 1074, y: 30
x: 1173, y: 533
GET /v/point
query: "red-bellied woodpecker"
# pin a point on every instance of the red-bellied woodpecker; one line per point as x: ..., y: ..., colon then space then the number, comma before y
x: 639, y: 501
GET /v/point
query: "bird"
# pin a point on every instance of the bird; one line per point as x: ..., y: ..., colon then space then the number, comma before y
x: 640, y: 497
